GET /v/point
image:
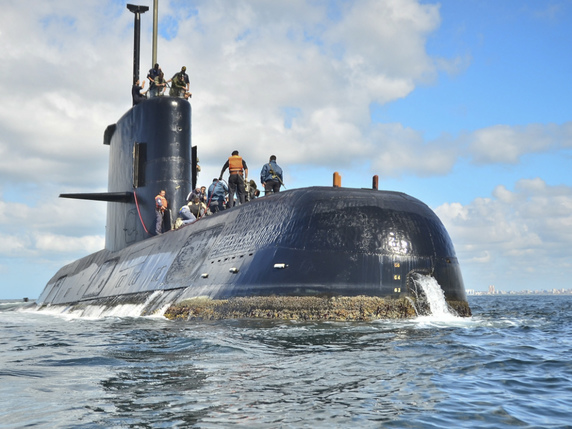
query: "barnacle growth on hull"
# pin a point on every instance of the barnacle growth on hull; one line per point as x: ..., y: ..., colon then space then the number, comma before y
x: 355, y: 308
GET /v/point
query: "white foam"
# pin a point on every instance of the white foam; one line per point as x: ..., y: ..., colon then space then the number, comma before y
x: 440, y: 310
x: 95, y: 312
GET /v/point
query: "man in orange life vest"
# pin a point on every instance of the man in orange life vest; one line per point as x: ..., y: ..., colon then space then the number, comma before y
x: 236, y: 166
x: 160, y: 207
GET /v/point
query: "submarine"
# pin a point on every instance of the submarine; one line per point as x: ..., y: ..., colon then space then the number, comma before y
x: 328, y: 253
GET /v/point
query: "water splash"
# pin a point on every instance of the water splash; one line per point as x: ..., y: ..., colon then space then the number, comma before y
x: 430, y: 299
x: 96, y: 311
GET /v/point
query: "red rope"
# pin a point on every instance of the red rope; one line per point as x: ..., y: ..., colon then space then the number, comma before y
x: 139, y: 212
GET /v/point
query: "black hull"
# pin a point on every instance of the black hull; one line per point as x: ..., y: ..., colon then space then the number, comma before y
x: 317, y: 241
x: 314, y: 241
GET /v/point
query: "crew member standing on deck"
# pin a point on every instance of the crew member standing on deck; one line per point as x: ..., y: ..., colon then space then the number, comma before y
x: 185, y: 78
x: 217, y: 195
x: 180, y: 84
x: 160, y: 85
x: 153, y: 74
x: 160, y: 208
x: 271, y: 176
x: 136, y: 93
x: 238, y: 171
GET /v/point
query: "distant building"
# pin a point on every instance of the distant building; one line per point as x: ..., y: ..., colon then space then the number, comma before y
x: 491, y: 289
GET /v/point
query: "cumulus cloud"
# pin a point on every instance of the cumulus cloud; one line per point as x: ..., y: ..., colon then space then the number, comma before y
x: 253, y: 63
x: 54, y: 112
x: 251, y: 66
x: 513, y: 233
x: 402, y: 150
x: 58, y: 243
x: 507, y: 144
x: 52, y: 227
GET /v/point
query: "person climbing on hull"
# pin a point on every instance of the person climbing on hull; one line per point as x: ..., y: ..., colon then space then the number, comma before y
x: 217, y: 195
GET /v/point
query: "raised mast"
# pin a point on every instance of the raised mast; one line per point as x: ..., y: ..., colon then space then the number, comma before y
x: 155, y: 23
x: 137, y: 10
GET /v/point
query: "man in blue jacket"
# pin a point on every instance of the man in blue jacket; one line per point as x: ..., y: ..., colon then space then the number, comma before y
x: 271, y: 176
x: 216, y: 195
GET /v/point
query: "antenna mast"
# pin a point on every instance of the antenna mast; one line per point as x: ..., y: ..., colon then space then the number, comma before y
x: 155, y: 23
x: 137, y: 10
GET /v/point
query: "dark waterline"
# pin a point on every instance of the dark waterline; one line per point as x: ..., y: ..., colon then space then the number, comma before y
x: 507, y: 366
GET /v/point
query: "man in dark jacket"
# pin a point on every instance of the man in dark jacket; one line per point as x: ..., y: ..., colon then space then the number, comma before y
x: 136, y: 92
x: 271, y: 176
x: 217, y: 195
x: 153, y: 74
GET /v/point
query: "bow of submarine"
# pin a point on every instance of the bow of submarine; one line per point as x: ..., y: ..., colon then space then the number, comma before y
x: 330, y: 241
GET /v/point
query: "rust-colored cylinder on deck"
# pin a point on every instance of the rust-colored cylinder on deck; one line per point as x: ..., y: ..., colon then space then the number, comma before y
x: 337, y: 180
x: 375, y: 182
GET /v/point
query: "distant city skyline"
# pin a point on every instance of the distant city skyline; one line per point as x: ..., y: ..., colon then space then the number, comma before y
x: 521, y: 292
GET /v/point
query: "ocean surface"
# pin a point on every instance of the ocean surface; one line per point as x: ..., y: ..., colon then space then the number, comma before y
x: 510, y: 365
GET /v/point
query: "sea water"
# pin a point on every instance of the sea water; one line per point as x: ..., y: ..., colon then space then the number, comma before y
x: 507, y: 366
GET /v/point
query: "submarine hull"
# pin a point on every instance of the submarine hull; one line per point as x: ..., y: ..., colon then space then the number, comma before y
x: 307, y: 242
x: 316, y: 241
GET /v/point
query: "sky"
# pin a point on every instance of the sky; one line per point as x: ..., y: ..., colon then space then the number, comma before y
x: 464, y: 105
